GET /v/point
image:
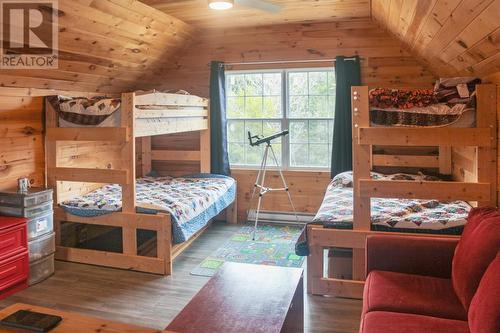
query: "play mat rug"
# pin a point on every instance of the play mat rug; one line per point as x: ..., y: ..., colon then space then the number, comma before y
x: 273, y: 245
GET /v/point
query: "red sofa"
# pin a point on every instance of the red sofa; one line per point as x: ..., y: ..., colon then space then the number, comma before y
x: 435, y: 285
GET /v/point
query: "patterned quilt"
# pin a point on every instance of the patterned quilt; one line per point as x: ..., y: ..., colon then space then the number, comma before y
x: 391, y: 214
x: 191, y: 201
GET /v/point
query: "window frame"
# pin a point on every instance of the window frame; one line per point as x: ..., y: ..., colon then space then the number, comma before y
x: 285, y: 120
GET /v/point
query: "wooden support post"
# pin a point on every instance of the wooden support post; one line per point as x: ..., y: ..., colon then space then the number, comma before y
x: 205, y: 162
x: 145, y: 155
x: 314, y: 269
x: 445, y: 160
x: 361, y: 170
x: 164, y: 244
x: 128, y: 163
x: 232, y: 210
x: 486, y: 117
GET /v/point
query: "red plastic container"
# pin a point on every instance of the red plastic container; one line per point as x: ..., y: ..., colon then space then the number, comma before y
x: 14, y: 257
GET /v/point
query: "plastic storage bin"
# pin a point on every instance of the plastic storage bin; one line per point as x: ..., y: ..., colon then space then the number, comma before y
x: 41, y: 225
x: 42, y: 246
x: 34, y: 196
x: 41, y: 270
x: 29, y: 212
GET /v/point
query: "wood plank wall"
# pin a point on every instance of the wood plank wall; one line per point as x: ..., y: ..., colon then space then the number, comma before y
x: 21, y: 140
x: 453, y: 36
x: 105, y: 46
x: 385, y: 63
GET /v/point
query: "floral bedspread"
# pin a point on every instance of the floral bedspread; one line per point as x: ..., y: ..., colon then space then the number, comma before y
x: 336, y: 211
x: 191, y: 201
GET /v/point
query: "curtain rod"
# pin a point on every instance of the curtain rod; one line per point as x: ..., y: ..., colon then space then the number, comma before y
x: 285, y: 62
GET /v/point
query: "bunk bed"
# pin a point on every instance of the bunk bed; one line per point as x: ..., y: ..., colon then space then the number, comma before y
x: 464, y: 153
x: 101, y: 169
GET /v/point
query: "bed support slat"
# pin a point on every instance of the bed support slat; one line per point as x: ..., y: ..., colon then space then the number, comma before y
x: 426, y: 136
x: 406, y: 189
x: 420, y: 161
x: 109, y: 176
x: 118, y: 134
x: 175, y: 155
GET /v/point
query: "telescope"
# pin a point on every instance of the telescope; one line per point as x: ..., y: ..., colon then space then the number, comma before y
x: 257, y: 140
x: 267, y: 139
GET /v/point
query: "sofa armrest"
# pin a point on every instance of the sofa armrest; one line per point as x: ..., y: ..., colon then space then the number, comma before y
x: 430, y: 256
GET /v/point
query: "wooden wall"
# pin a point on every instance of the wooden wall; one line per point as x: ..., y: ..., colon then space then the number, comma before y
x: 107, y: 46
x: 453, y: 36
x: 385, y: 63
x: 21, y: 140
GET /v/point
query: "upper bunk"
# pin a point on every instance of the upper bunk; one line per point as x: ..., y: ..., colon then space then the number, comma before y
x: 465, y: 154
x: 398, y: 117
x: 136, y: 114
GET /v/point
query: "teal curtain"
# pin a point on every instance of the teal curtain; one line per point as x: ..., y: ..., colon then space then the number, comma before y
x: 348, y: 74
x: 218, y: 121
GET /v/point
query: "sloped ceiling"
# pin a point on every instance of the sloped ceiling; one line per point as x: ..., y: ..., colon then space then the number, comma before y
x: 196, y: 12
x: 455, y: 37
x: 107, y: 46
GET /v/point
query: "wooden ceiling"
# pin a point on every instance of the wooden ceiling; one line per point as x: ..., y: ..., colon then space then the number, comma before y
x: 452, y: 36
x: 197, y: 13
x: 106, y: 46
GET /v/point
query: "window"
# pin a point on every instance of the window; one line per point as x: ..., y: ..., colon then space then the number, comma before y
x: 267, y: 102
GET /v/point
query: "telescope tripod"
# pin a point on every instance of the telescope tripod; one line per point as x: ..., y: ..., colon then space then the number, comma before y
x: 263, y: 190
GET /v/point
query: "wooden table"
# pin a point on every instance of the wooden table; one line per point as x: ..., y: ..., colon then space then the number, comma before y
x: 246, y: 298
x: 74, y: 323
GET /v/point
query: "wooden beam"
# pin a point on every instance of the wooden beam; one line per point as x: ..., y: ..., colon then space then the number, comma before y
x: 111, y: 259
x: 117, y: 219
x: 406, y: 189
x: 175, y: 155
x: 87, y: 134
x: 388, y: 136
x: 107, y: 176
x: 419, y: 161
x: 170, y: 113
x: 157, y: 98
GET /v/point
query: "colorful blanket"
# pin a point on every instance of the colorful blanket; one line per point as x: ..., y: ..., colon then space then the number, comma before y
x: 191, y: 201
x: 390, y: 214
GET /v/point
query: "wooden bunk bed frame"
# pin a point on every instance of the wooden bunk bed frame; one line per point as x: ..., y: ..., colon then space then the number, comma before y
x: 110, y: 157
x: 468, y: 154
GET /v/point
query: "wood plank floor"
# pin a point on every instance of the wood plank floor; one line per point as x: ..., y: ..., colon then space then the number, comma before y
x: 150, y: 300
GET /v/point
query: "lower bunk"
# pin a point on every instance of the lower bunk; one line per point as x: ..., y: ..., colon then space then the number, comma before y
x: 170, y: 214
x: 336, y: 251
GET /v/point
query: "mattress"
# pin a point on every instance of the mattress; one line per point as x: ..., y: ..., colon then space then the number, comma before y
x: 398, y: 215
x: 191, y: 201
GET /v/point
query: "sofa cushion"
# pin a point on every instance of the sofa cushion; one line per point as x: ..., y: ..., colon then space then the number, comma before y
x: 477, y: 248
x: 484, y: 311
x: 408, y: 293
x: 392, y: 322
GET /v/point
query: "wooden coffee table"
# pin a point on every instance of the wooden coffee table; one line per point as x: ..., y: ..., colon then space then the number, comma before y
x: 246, y: 298
x: 73, y: 323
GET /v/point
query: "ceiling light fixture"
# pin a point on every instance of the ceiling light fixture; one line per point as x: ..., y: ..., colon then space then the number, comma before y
x: 220, y: 4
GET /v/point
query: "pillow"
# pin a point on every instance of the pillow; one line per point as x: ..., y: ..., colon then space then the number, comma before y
x: 484, y: 312
x: 478, y: 246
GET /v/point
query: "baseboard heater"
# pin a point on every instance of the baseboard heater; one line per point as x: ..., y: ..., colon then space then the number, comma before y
x: 280, y: 217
